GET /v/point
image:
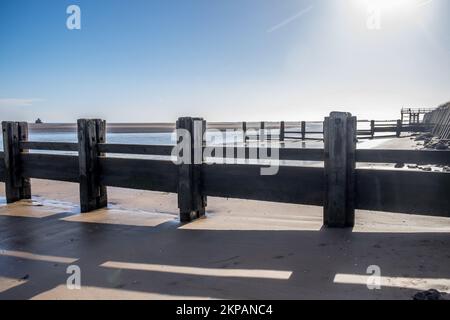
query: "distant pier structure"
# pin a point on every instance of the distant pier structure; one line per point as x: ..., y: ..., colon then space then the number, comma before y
x: 414, y: 115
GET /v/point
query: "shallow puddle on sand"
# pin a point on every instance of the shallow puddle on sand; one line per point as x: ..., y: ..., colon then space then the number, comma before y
x: 35, y: 208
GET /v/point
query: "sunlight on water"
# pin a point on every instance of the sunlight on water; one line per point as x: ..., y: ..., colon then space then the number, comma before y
x: 167, y: 138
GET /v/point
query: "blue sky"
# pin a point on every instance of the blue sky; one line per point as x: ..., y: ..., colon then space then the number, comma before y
x: 224, y: 60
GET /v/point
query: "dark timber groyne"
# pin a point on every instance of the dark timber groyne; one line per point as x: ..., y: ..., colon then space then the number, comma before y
x: 338, y: 186
x: 439, y: 120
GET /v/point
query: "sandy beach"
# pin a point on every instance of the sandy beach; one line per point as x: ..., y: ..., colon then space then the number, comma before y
x: 224, y: 150
x: 138, y: 249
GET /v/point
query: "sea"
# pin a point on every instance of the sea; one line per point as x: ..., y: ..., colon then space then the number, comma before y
x: 213, y: 137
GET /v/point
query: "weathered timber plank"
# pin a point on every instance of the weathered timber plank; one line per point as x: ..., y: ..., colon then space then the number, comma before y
x: 16, y: 186
x: 50, y: 146
x: 50, y: 167
x: 284, y: 153
x: 303, y: 129
x: 403, y: 156
x: 385, y: 129
x: 339, y: 147
x: 164, y: 150
x: 351, y: 171
x: 102, y: 200
x: 300, y: 185
x: 139, y: 174
x: 2, y: 167
x: 412, y: 192
x: 91, y: 132
x: 191, y: 202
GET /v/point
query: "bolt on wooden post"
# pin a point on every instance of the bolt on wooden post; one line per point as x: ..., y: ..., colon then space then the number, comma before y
x: 93, y: 195
x: 16, y: 186
x: 340, y: 170
x: 191, y: 201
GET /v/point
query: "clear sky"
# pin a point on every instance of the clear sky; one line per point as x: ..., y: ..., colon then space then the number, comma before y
x: 224, y: 60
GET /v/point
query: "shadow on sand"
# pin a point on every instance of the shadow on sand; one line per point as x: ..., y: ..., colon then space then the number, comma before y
x: 167, y: 261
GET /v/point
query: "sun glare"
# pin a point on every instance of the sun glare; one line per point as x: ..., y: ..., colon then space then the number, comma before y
x: 388, y: 4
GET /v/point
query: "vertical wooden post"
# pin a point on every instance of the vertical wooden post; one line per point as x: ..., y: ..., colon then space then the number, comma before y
x: 262, y: 135
x: 244, y: 132
x: 16, y: 187
x: 372, y: 128
x: 102, y: 201
x: 303, y: 129
x: 91, y: 132
x: 399, y: 128
x: 340, y: 191
x: 282, y: 131
x: 191, y: 201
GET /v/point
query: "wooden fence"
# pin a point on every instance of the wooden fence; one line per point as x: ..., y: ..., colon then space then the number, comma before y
x: 439, y: 121
x: 339, y: 186
x: 389, y: 128
x: 414, y: 115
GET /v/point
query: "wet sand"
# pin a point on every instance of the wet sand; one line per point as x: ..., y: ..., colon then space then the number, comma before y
x: 137, y: 249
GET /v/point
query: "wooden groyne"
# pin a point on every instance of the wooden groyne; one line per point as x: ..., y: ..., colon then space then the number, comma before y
x: 253, y: 131
x: 299, y: 131
x: 414, y: 115
x: 339, y: 186
x: 439, y: 121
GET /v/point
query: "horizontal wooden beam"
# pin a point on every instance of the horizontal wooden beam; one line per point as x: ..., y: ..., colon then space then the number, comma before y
x: 164, y: 150
x: 300, y: 185
x: 300, y: 154
x: 385, y: 129
x: 385, y: 125
x: 411, y: 192
x: 139, y: 174
x: 300, y: 138
x: 50, y: 167
x: 403, y: 156
x: 307, y: 132
x: 51, y: 146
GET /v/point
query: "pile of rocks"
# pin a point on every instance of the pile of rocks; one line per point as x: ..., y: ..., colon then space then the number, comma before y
x: 424, y: 137
x: 437, y: 144
x: 429, y: 168
x: 431, y: 142
x: 431, y: 294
